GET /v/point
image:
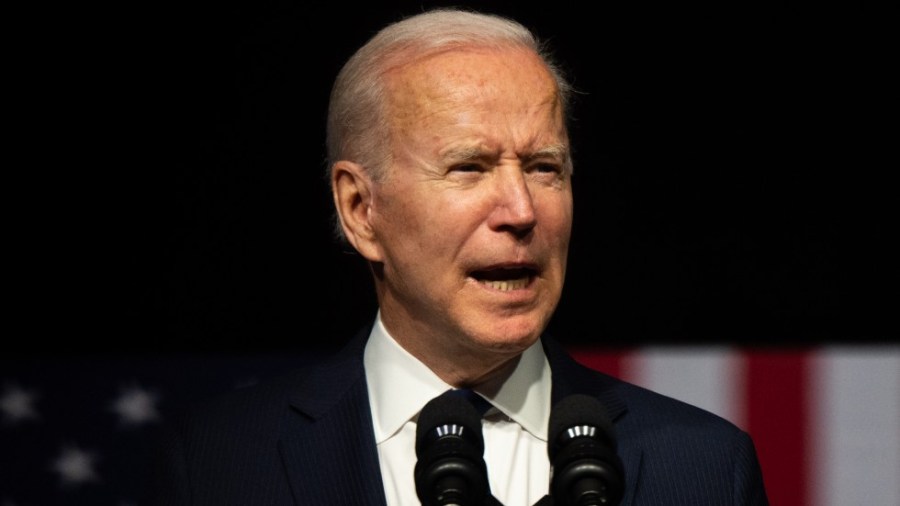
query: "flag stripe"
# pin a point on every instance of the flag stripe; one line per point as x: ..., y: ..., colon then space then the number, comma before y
x: 702, y: 376
x: 607, y: 361
x: 857, y: 422
x: 777, y: 416
x: 825, y: 420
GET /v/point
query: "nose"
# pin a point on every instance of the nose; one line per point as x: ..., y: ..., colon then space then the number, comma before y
x: 514, y: 206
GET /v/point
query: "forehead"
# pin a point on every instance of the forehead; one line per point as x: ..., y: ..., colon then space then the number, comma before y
x: 499, y: 80
x: 498, y: 91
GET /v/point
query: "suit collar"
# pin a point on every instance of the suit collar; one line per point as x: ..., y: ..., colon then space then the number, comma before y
x: 570, y: 377
x: 327, y: 442
x: 333, y: 380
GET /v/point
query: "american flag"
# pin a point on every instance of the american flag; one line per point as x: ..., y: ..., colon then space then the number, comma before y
x: 825, y: 419
x: 80, y: 430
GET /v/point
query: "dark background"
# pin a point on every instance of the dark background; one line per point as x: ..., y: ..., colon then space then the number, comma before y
x: 168, y: 224
x: 732, y: 181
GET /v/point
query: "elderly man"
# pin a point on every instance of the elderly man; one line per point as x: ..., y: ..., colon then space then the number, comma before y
x: 451, y: 176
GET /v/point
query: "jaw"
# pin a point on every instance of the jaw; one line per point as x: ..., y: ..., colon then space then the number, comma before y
x: 484, y: 317
x: 503, y: 315
x: 469, y: 341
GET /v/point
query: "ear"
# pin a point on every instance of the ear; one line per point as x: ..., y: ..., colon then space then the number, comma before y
x: 352, y: 189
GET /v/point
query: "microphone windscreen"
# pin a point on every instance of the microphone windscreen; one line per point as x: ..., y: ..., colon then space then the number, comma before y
x: 584, y: 466
x: 576, y: 411
x: 447, y: 409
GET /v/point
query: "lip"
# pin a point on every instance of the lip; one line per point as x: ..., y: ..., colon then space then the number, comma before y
x: 506, y: 277
x: 496, y: 270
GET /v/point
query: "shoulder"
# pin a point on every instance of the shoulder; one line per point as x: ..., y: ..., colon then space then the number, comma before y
x: 259, y: 400
x: 669, y: 426
x: 631, y: 406
x: 653, y: 417
x: 669, y: 443
x: 677, y: 443
x: 248, y: 413
x: 310, y: 385
x: 230, y: 437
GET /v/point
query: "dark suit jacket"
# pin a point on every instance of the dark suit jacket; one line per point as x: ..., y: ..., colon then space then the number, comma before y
x: 307, y: 439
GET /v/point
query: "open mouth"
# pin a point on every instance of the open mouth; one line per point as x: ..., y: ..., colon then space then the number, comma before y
x: 505, y: 279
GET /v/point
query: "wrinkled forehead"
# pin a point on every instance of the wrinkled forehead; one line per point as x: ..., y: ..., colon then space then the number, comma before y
x: 508, y: 79
x: 490, y: 103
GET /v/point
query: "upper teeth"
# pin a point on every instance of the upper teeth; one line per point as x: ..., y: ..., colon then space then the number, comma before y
x: 507, y: 285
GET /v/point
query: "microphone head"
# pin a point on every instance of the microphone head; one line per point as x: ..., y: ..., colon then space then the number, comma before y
x: 449, y: 415
x: 574, y: 412
x: 585, y: 468
x: 449, y: 447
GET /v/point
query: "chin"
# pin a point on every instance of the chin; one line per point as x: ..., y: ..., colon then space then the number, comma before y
x: 510, y: 336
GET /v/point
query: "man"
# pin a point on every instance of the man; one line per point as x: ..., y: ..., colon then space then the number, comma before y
x: 451, y: 174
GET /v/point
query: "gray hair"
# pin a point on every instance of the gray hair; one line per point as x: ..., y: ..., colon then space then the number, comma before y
x: 358, y: 125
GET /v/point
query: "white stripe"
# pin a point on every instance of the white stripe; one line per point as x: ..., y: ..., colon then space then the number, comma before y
x: 709, y: 377
x: 856, y: 426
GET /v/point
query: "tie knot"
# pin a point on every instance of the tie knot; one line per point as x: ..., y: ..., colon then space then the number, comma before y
x: 481, y: 405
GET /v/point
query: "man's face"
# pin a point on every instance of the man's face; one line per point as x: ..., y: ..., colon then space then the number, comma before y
x: 472, y: 222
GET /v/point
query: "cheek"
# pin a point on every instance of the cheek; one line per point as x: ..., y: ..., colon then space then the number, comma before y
x: 556, y: 215
x: 413, y: 222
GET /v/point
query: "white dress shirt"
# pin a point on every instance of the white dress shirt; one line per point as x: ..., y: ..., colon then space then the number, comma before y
x: 515, y: 429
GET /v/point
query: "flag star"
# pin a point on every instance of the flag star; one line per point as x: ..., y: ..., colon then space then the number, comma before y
x: 75, y: 466
x: 136, y: 406
x: 17, y: 404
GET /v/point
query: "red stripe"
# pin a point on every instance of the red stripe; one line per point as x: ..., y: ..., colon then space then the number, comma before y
x: 606, y: 361
x: 777, y: 413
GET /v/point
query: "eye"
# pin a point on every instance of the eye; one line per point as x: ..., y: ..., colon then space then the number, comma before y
x: 546, y: 168
x: 467, y: 167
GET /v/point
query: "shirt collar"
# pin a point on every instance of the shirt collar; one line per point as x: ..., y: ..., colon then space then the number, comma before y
x: 400, y: 385
x: 525, y: 395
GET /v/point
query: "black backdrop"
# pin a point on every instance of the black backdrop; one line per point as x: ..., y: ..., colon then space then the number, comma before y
x: 167, y: 232
x: 732, y: 176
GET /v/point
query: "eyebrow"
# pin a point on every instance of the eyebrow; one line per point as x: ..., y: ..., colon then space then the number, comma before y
x: 466, y: 152
x: 558, y: 151
x: 456, y: 154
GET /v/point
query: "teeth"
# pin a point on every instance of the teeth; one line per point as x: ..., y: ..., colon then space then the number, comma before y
x: 507, y: 285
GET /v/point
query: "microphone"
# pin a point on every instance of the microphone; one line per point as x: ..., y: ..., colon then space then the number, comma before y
x: 584, y: 467
x: 450, y: 449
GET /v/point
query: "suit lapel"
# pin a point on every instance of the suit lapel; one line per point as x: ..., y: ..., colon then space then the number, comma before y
x: 569, y: 378
x: 327, y: 442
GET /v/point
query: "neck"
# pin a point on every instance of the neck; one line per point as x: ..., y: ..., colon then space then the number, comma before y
x: 460, y: 366
x: 457, y: 361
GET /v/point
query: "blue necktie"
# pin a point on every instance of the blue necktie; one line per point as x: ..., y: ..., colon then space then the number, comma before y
x: 481, y: 405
